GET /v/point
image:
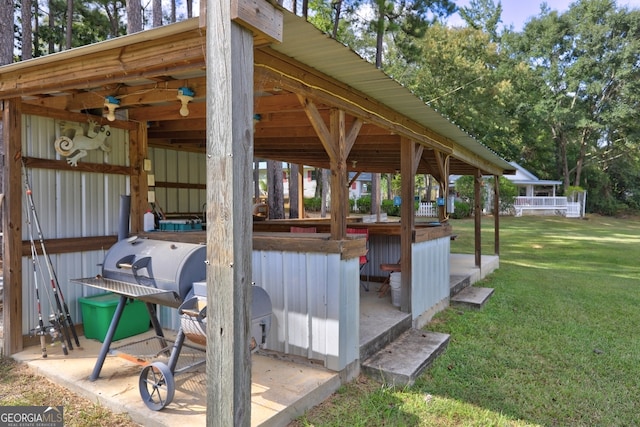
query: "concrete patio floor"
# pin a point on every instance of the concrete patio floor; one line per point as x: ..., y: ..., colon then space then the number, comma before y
x: 282, y: 387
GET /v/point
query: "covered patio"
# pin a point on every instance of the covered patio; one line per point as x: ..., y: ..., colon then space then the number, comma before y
x: 291, y: 105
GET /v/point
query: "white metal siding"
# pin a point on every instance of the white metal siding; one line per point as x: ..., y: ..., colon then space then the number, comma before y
x: 430, y: 274
x: 68, y: 204
x: 182, y: 168
x: 315, y: 300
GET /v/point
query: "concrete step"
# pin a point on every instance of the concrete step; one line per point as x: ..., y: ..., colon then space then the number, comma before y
x: 384, y: 338
x: 402, y: 361
x: 472, y: 296
x: 457, y: 283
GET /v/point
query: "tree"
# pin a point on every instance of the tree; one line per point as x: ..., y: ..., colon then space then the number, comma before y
x: 134, y: 16
x: 294, y: 196
x: 6, y: 32
x: 157, y: 13
x: 275, y: 189
x: 483, y: 15
x: 69, y: 29
x: 27, y: 35
x: 587, y: 58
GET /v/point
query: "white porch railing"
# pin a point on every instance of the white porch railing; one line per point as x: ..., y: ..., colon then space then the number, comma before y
x: 541, y: 202
x: 522, y: 203
x: 427, y: 209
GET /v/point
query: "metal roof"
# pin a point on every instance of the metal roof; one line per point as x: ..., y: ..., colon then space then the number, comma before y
x: 305, y: 43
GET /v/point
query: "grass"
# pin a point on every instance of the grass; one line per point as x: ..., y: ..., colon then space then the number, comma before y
x: 558, y: 344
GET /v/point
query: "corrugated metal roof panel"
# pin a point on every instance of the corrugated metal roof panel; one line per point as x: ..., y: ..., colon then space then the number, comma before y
x: 307, y: 44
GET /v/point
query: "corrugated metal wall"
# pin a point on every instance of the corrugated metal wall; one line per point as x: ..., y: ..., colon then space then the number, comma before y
x: 178, y: 167
x: 68, y: 204
x: 430, y: 274
x: 315, y: 300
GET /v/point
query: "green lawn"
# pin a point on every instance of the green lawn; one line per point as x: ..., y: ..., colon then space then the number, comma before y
x: 558, y: 344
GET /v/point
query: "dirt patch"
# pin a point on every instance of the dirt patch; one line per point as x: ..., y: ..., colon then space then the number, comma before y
x: 20, y: 386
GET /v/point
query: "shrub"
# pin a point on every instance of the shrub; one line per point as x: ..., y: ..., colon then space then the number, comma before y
x: 313, y: 204
x: 364, y: 204
x: 461, y: 210
x: 389, y: 208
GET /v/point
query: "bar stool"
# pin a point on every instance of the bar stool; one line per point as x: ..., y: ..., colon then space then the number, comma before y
x: 386, y: 285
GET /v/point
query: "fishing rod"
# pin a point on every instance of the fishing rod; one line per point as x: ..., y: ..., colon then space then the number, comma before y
x: 40, y: 329
x: 64, y: 320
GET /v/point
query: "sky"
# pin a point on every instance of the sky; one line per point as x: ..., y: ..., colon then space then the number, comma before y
x: 517, y: 12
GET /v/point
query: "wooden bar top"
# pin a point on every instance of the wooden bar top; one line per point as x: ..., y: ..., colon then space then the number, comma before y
x: 272, y: 229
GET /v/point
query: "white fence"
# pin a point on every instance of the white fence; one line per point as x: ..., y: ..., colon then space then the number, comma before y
x: 427, y: 209
x: 553, y: 205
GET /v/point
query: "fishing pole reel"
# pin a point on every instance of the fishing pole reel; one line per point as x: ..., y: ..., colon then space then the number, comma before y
x: 40, y: 332
x: 56, y: 332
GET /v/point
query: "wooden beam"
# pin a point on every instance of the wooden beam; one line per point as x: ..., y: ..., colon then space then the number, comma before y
x: 407, y: 223
x: 339, y: 190
x: 12, y: 225
x: 72, y: 245
x: 307, y: 82
x: 138, y: 151
x: 477, y: 190
x: 496, y: 214
x: 182, y: 46
x: 259, y: 16
x: 353, y: 133
x: 229, y: 154
x: 443, y: 171
x: 153, y: 93
x: 36, y: 163
x: 197, y: 110
x: 319, y: 126
x: 416, y: 162
x: 70, y: 116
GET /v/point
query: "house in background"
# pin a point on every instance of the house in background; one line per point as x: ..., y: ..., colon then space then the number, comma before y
x: 530, y: 185
x: 537, y: 196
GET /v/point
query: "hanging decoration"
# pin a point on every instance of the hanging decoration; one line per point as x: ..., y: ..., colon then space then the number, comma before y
x: 74, y: 144
x: 111, y: 103
x: 185, y: 95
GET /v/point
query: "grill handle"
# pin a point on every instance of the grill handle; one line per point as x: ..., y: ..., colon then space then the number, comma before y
x: 126, y: 262
x: 140, y: 264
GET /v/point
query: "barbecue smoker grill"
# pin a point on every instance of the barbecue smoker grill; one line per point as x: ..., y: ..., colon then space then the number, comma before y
x: 171, y: 274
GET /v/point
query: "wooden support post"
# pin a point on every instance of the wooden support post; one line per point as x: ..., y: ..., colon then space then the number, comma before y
x: 407, y: 219
x: 496, y: 213
x: 477, y: 187
x: 301, y: 212
x: 229, y: 154
x: 138, y: 151
x: 12, y: 225
x: 339, y: 191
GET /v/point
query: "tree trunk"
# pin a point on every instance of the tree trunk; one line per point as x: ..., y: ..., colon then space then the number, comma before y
x: 69, y: 31
x: 6, y: 32
x: 256, y: 181
x: 157, y: 13
x: 325, y: 193
x: 294, y: 196
x: 375, y: 193
x: 36, y: 28
x: 336, y: 18
x: 52, y: 27
x: 189, y: 8
x: 27, y: 36
x: 275, y: 189
x: 134, y: 16
x: 173, y: 11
